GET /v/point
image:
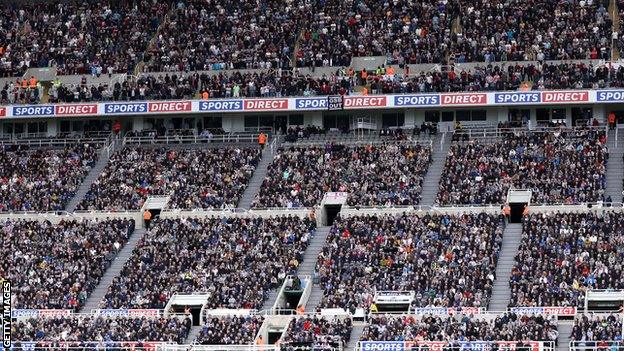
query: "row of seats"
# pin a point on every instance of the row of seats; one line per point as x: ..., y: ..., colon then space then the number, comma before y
x: 560, y: 167
x: 447, y: 260
x: 196, y: 35
x: 58, y: 265
x: 275, y: 83
x: 373, y: 175
x: 316, y: 332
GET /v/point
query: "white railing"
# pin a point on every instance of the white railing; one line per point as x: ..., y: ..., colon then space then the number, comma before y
x: 191, y: 139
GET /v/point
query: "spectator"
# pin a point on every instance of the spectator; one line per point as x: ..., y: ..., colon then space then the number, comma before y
x: 90, y: 331
x: 447, y: 260
x: 593, y: 330
x: 57, y: 266
x: 373, y: 175
x: 566, y: 166
x: 42, y: 179
x: 455, y: 329
x: 317, y: 333
x: 230, y: 330
x: 564, y: 254
x: 235, y: 261
x: 196, y: 178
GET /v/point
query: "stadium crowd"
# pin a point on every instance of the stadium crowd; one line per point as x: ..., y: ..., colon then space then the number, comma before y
x: 317, y: 333
x: 85, y: 38
x: 373, y: 175
x: 564, y: 254
x: 57, y: 266
x: 505, y: 327
x: 558, y: 166
x: 92, y: 331
x: 200, y: 35
x: 229, y: 330
x: 533, y: 30
x: 42, y: 179
x: 77, y: 37
x: 275, y: 83
x: 234, y: 260
x: 448, y: 261
x: 196, y: 178
x: 590, y: 330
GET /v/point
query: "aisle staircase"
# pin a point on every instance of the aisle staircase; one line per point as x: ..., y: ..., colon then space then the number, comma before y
x: 501, y: 292
x: 308, y: 265
x: 113, y: 271
x: 253, y: 187
x: 432, y: 178
x: 615, y: 168
x: 91, y: 177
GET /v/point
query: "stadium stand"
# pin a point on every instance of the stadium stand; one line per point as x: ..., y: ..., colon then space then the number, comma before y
x: 56, y: 266
x: 42, y: 179
x: 447, y: 260
x: 90, y: 332
x: 559, y: 166
x: 564, y: 254
x: 317, y: 333
x: 533, y: 30
x: 196, y: 178
x: 272, y: 83
x: 373, y: 175
x: 234, y: 260
x: 456, y: 329
x: 595, y: 330
x: 259, y: 35
x: 229, y: 330
x: 77, y: 37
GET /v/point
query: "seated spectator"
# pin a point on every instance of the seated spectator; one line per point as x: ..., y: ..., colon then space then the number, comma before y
x: 57, y: 266
x: 593, y: 330
x: 77, y: 37
x: 373, y: 175
x: 42, y: 179
x: 317, y: 333
x: 240, y: 35
x: 566, y: 166
x: 233, y: 260
x: 564, y: 254
x: 506, y: 327
x: 230, y: 330
x: 81, y: 331
x: 196, y: 178
x: 449, y: 261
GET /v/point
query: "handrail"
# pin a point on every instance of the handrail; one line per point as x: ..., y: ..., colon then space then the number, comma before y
x: 191, y: 139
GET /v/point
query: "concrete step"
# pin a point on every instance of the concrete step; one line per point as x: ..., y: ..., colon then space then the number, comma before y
x: 194, y: 333
x: 93, y: 175
x: 501, y: 293
x: 356, y: 334
x: 432, y: 179
x: 93, y: 302
x: 256, y: 179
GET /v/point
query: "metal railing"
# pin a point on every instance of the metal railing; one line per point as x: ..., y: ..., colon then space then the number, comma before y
x: 191, y: 139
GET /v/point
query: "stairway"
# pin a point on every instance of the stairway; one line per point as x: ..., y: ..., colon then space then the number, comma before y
x: 615, y: 168
x: 501, y: 293
x: 356, y: 333
x: 93, y: 302
x: 93, y: 174
x: 432, y: 178
x: 256, y: 179
x: 565, y: 332
x: 270, y: 301
x: 193, y: 334
x: 308, y: 265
